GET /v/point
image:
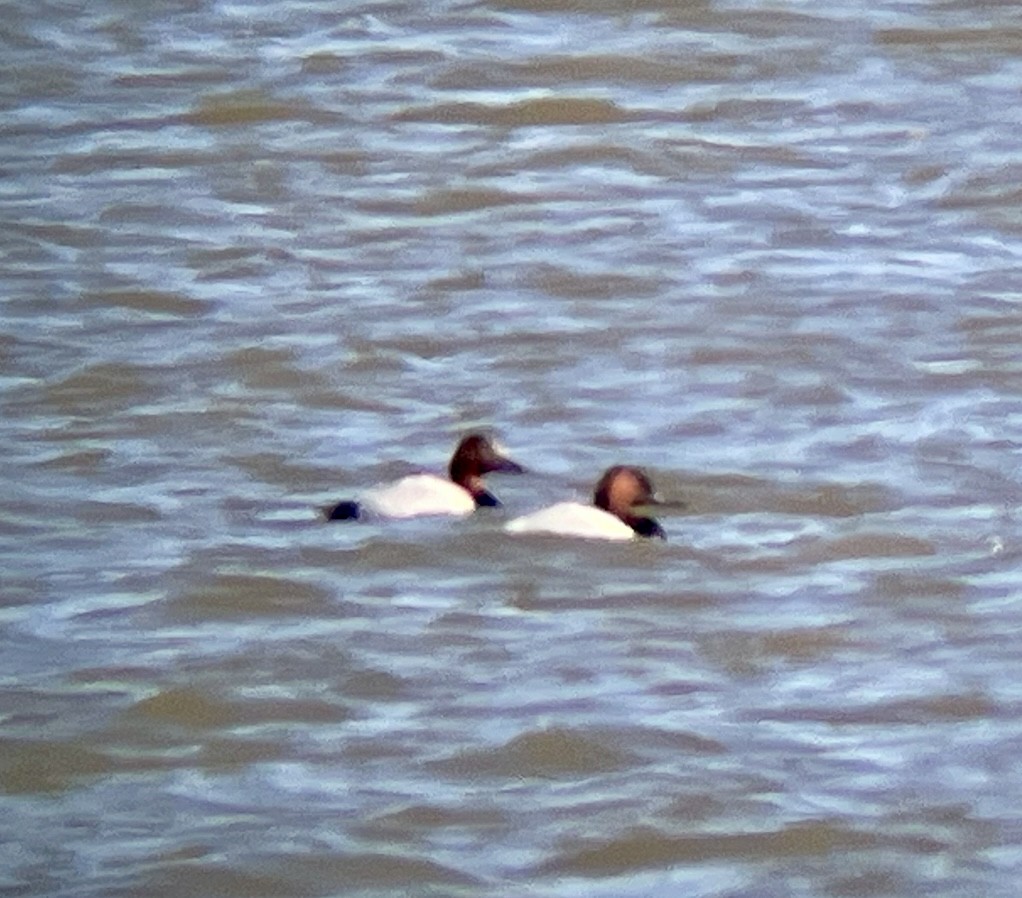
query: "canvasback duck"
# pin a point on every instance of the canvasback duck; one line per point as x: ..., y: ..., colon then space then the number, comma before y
x: 612, y: 515
x: 427, y: 494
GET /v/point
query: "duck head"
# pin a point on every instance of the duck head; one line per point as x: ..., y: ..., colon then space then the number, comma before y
x: 474, y: 458
x: 620, y: 491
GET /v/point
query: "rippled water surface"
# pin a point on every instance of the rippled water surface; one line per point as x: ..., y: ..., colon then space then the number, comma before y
x: 256, y: 255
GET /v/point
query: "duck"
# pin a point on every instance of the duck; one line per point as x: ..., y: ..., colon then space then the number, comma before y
x: 620, y: 490
x: 419, y: 495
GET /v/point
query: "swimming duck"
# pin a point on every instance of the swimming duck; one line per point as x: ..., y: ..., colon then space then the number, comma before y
x: 612, y: 515
x: 427, y: 494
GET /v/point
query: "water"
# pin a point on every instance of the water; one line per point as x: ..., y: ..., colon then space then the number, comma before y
x: 258, y: 255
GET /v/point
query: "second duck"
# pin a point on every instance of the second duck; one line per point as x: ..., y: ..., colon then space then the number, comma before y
x: 620, y: 491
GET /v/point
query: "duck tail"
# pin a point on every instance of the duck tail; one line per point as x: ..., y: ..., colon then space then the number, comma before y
x: 346, y: 510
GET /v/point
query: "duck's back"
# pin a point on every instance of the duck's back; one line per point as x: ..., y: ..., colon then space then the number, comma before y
x: 418, y: 495
x: 572, y: 519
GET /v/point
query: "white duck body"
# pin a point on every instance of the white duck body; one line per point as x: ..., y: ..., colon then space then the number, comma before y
x: 572, y: 519
x: 418, y: 495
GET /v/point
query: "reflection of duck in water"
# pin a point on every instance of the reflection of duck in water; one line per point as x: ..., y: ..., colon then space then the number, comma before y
x: 428, y: 494
x: 612, y: 515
